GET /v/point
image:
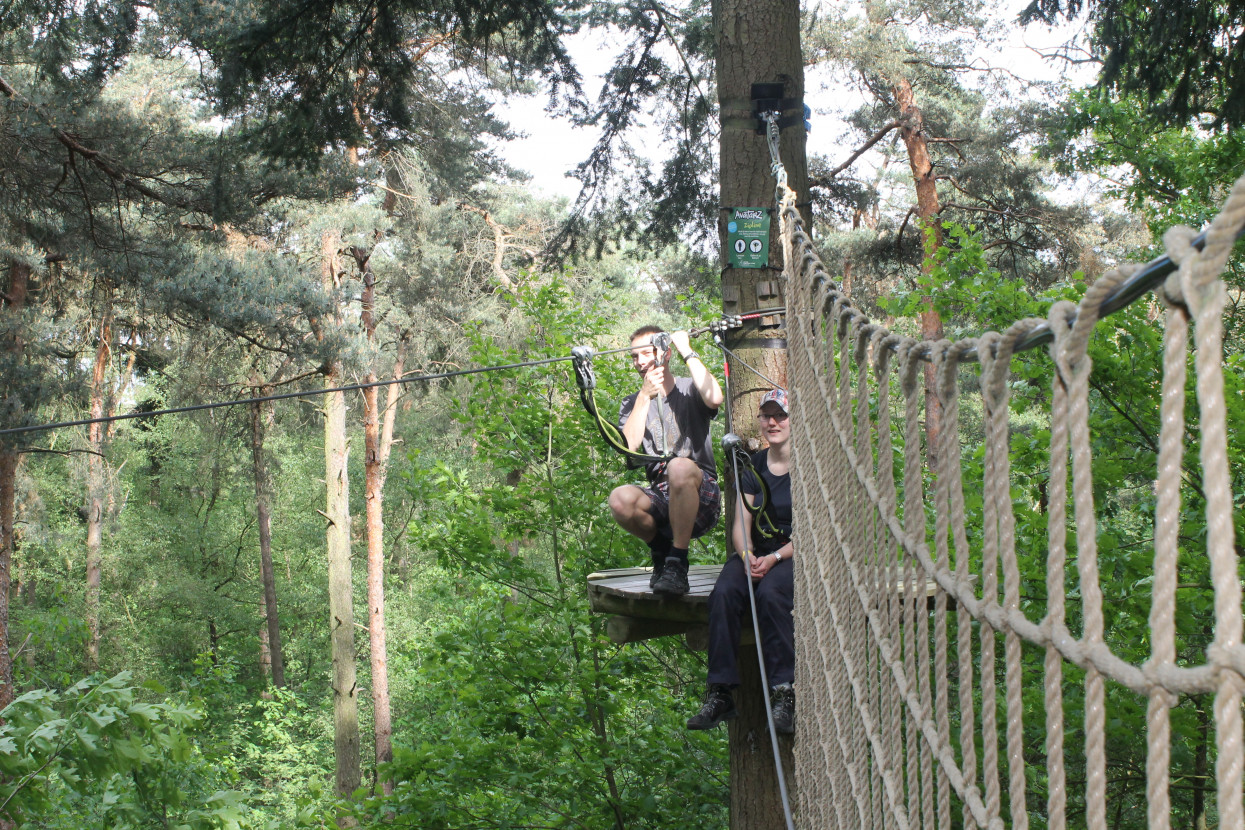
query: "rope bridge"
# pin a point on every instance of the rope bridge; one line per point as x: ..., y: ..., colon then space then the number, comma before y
x: 910, y: 715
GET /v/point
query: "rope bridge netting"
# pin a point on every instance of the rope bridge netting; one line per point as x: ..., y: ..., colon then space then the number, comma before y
x: 912, y: 716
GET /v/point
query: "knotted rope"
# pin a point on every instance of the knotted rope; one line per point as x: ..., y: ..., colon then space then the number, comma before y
x: 884, y: 671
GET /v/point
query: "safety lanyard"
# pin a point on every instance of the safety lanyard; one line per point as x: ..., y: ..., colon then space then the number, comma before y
x: 585, y: 377
x: 762, y: 520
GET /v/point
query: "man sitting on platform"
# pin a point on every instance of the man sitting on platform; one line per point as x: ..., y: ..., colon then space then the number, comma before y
x: 771, y: 571
x: 669, y: 416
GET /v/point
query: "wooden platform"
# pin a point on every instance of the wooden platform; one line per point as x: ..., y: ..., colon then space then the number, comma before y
x: 636, y: 613
x: 639, y: 614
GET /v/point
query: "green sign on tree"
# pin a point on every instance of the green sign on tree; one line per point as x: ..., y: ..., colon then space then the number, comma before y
x: 747, y: 235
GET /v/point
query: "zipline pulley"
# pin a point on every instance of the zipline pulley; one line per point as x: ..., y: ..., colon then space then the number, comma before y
x: 661, y: 347
x: 581, y: 359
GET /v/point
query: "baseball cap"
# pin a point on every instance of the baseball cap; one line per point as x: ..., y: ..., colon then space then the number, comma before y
x: 778, y: 396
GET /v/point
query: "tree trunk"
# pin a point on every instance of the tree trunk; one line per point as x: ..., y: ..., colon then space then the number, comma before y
x: 756, y: 803
x: 272, y: 629
x: 97, y: 434
x: 378, y: 441
x: 927, y: 211
x: 341, y: 601
x: 757, y: 42
x: 9, y: 457
x: 265, y: 654
x: 14, y: 302
x: 1201, y: 764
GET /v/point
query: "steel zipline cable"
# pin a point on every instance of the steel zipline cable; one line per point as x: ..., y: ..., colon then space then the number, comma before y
x: 309, y: 393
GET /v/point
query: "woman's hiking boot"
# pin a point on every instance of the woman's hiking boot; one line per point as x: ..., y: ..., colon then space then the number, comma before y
x: 782, y: 707
x: 719, y: 705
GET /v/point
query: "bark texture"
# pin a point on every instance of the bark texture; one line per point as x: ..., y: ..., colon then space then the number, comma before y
x: 378, y: 441
x: 13, y: 304
x: 97, y: 436
x: 341, y: 602
x: 756, y: 802
x: 757, y: 42
x: 270, y: 644
x: 927, y: 211
x: 9, y: 458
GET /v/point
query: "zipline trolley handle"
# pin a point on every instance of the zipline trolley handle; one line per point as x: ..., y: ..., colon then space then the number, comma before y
x: 661, y: 347
x: 581, y: 358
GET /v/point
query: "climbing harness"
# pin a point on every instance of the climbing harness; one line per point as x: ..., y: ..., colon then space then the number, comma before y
x: 738, y: 457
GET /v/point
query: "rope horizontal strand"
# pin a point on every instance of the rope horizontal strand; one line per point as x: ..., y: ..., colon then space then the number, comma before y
x: 884, y: 672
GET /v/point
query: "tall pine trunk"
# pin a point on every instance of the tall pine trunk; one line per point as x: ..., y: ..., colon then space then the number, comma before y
x: 378, y: 441
x: 97, y: 435
x: 341, y: 600
x: 927, y: 209
x: 9, y: 458
x: 758, y: 41
x: 271, y: 641
x: 13, y: 303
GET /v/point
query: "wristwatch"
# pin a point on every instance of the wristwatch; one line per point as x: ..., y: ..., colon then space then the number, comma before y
x: 777, y: 557
x: 691, y: 354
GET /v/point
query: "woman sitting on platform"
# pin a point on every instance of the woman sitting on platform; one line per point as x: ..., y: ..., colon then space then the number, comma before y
x: 770, y: 569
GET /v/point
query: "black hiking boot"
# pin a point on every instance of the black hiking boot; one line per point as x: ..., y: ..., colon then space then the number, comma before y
x: 659, y: 548
x: 782, y: 707
x: 659, y: 565
x: 719, y: 705
x: 673, y: 579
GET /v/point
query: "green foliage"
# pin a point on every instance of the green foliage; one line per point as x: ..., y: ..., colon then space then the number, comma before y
x: 1185, y: 60
x: 964, y: 287
x: 1177, y: 174
x: 526, y: 713
x: 372, y: 78
x: 99, y: 752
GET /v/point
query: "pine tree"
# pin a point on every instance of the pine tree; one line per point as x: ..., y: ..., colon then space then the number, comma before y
x: 1185, y: 60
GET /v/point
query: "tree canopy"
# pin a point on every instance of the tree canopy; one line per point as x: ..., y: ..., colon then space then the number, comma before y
x: 1185, y: 60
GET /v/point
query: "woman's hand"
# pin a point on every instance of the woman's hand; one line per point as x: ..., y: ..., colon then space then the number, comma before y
x: 759, y: 566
